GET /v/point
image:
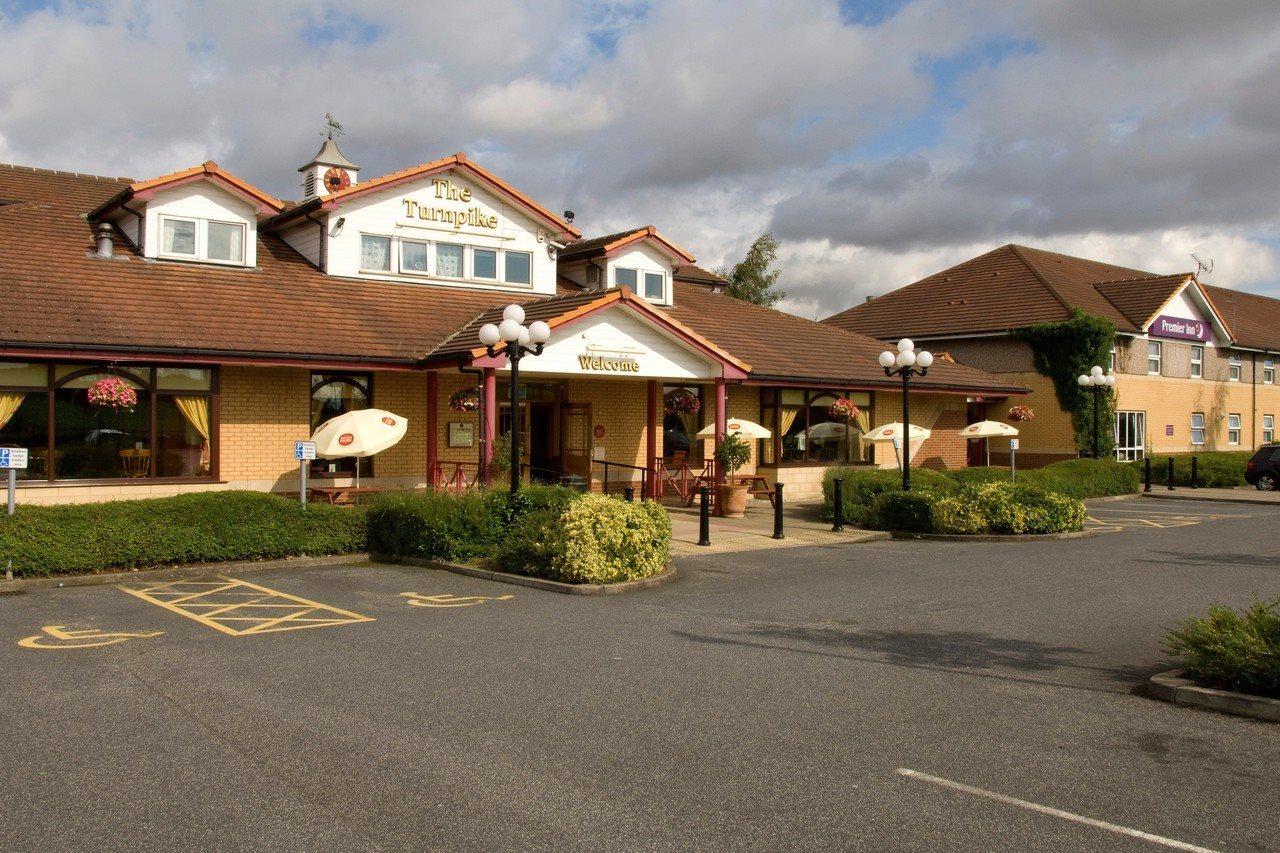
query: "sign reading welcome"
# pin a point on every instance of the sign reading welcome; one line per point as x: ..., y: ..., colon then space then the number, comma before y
x: 1165, y: 326
x: 623, y: 364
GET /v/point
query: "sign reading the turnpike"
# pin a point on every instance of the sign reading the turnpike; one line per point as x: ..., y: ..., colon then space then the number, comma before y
x: 447, y: 190
x: 621, y: 364
x: 1165, y: 326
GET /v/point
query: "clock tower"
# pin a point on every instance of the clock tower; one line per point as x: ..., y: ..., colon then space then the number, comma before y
x: 327, y: 172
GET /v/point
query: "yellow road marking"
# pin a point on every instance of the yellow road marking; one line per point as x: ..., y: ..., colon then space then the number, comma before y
x: 417, y: 599
x: 90, y: 638
x: 216, y: 604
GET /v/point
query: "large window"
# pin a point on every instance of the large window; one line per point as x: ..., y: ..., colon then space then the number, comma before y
x: 202, y: 239
x: 679, y: 426
x: 1197, y: 362
x: 1153, y: 358
x: 1130, y: 435
x: 334, y: 394
x: 162, y: 426
x: 1233, y: 368
x: 1197, y: 428
x: 804, y: 431
x: 1233, y: 429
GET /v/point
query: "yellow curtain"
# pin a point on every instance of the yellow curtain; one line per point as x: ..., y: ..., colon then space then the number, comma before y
x: 786, y: 417
x: 9, y: 403
x: 862, y: 421
x: 196, y: 411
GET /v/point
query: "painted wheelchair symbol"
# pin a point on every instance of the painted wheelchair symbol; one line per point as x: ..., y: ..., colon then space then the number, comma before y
x: 417, y: 599
x: 58, y: 637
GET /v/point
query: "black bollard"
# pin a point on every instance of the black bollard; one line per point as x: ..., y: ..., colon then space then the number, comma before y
x: 838, y: 505
x: 1171, y: 473
x: 777, y: 511
x: 1194, y: 473
x: 1146, y: 474
x: 704, y: 517
x: 629, y: 493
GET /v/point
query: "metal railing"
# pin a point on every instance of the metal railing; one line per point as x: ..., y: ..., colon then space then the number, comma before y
x: 646, y: 476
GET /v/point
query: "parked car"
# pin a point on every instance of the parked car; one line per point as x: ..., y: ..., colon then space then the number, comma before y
x: 1263, y: 470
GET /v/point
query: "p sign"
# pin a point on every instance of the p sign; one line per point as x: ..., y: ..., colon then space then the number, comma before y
x: 304, y: 450
x: 1013, y: 444
x: 13, y: 457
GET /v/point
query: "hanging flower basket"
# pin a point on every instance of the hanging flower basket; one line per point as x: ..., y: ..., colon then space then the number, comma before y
x: 465, y: 401
x: 1021, y: 413
x: 681, y: 401
x: 843, y: 409
x: 112, y: 392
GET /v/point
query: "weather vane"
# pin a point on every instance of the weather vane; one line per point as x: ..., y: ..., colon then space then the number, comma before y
x: 332, y: 127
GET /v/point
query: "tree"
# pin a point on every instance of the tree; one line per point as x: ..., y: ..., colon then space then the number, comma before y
x: 751, y: 279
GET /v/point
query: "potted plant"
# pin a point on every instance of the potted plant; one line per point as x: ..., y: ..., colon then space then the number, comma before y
x: 1021, y: 413
x: 732, y: 454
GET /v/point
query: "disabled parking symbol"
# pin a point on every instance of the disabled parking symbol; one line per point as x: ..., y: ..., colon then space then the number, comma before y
x: 417, y: 599
x: 58, y: 637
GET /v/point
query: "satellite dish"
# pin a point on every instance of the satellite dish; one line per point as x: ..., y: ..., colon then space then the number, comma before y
x: 1204, y: 266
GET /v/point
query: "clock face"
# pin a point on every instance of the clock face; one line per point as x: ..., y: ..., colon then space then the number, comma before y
x: 336, y: 179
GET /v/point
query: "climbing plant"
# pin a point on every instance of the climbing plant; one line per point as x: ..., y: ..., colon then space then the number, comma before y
x: 1063, y: 351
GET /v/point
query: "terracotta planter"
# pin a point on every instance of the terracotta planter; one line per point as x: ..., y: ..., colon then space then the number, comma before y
x: 733, y: 500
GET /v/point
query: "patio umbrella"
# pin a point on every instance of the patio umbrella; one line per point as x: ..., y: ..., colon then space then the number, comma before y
x: 889, y: 432
x: 988, y: 429
x: 358, y: 434
x: 737, y: 426
x: 827, y: 429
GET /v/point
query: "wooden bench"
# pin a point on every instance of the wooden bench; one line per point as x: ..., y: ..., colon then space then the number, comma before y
x: 345, y: 494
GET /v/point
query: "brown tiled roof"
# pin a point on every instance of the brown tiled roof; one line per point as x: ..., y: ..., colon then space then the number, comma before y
x: 268, y: 203
x: 697, y: 275
x: 1008, y: 288
x: 1139, y: 300
x: 609, y: 242
x: 1254, y: 319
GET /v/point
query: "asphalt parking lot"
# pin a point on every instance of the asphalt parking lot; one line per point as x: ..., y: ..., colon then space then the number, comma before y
x: 886, y: 696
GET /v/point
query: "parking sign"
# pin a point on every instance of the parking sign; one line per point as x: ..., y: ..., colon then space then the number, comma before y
x: 303, y: 450
x: 13, y: 457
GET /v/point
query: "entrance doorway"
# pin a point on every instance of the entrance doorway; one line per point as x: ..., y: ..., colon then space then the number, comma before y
x: 976, y: 455
x: 575, y: 440
x: 544, y: 442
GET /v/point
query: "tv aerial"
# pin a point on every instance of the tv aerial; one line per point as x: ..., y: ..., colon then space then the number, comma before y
x: 1204, y: 266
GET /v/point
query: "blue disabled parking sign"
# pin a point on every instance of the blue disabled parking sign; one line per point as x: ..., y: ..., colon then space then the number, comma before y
x: 13, y: 457
x: 304, y: 450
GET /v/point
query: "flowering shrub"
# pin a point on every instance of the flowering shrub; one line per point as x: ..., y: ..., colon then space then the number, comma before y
x: 843, y: 409
x: 1021, y: 413
x: 465, y: 401
x: 681, y: 401
x: 112, y: 392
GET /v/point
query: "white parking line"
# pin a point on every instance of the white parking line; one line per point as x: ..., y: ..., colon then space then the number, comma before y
x: 1036, y: 807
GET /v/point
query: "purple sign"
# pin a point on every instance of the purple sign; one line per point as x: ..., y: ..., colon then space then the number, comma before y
x: 1165, y: 326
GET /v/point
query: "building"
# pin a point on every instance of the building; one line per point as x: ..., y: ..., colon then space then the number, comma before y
x: 241, y: 321
x: 1195, y: 364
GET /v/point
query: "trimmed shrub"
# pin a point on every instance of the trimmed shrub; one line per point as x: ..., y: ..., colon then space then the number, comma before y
x: 958, y: 515
x: 437, y: 525
x: 1215, y: 469
x: 904, y: 512
x: 197, y: 527
x: 1232, y: 650
x: 1078, y: 478
x: 863, y: 484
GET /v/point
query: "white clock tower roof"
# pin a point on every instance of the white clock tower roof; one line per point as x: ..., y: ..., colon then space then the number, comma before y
x: 329, y: 155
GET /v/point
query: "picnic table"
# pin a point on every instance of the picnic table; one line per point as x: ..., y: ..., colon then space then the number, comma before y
x: 345, y: 494
x: 756, y: 485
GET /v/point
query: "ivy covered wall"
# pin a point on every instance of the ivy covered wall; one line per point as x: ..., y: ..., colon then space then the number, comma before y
x: 1065, y: 350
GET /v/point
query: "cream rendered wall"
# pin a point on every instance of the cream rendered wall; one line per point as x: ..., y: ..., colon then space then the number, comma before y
x: 201, y: 200
x: 383, y: 213
x: 643, y: 258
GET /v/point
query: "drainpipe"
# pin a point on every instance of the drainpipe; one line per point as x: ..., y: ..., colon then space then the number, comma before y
x: 142, y: 228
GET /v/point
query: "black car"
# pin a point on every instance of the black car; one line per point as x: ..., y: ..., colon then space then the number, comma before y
x: 1263, y: 470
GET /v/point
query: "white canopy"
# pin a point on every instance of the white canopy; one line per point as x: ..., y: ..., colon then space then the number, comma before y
x: 988, y: 429
x: 738, y: 426
x: 888, y: 432
x: 360, y: 433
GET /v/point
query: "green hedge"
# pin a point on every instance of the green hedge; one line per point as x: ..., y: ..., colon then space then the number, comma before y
x: 986, y: 508
x: 1216, y: 469
x: 1078, y: 478
x: 905, y: 512
x: 198, y: 527
x: 1232, y: 650
x: 862, y: 484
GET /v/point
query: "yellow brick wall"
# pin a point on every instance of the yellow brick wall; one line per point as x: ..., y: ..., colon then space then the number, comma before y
x: 1170, y: 400
x: 263, y: 412
x: 1049, y: 434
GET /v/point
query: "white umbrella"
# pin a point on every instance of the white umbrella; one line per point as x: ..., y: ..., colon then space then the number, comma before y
x: 360, y: 433
x: 893, y: 432
x: 988, y: 429
x: 737, y: 426
x: 827, y: 429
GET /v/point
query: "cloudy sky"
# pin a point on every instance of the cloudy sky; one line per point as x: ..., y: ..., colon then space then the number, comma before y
x: 880, y: 140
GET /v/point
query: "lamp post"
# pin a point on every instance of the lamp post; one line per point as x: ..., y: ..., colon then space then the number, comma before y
x: 906, y: 362
x: 1096, y: 383
x: 517, y: 338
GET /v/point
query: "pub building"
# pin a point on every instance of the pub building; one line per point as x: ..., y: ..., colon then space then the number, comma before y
x: 180, y: 333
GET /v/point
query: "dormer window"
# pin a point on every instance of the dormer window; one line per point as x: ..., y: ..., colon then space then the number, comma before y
x: 202, y: 240
x: 625, y: 278
x: 655, y: 287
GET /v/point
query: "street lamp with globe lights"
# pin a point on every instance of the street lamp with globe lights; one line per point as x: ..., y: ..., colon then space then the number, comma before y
x: 517, y: 338
x: 1096, y: 383
x: 906, y: 362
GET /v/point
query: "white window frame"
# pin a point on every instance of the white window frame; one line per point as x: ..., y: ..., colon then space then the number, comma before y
x: 195, y: 241
x: 201, y: 254
x: 436, y: 253
x: 1111, y: 363
x: 645, y: 287
x: 503, y: 261
x: 1197, y: 362
x: 1268, y: 371
x: 1234, y: 365
x: 634, y: 286
x: 1268, y: 429
x: 399, y: 253
x: 1197, y: 429
x: 1233, y: 433
x: 499, y: 263
x: 1136, y: 430
x: 393, y: 254
x: 1158, y: 357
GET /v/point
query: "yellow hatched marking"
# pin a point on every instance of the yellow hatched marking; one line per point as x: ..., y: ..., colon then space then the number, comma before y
x: 231, y: 600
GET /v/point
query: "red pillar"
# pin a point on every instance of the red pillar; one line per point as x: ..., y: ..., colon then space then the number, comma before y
x: 489, y: 430
x: 433, y: 408
x: 651, y: 439
x: 722, y: 419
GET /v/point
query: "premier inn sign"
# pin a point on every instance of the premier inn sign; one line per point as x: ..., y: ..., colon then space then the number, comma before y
x: 1177, y: 327
x: 600, y: 363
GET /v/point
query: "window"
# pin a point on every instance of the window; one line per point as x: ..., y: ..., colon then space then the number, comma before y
x: 679, y: 426
x: 805, y: 432
x: 625, y: 278
x: 1197, y: 428
x: 1153, y: 358
x: 1197, y: 362
x: 413, y: 256
x: 1233, y: 368
x: 1130, y: 435
x: 449, y: 260
x: 226, y: 242
x: 167, y: 432
x: 334, y: 394
x: 518, y: 267
x: 1268, y: 371
x: 1268, y: 429
x: 1233, y: 429
x: 655, y: 286
x: 178, y: 236
x: 484, y: 263
x: 375, y: 253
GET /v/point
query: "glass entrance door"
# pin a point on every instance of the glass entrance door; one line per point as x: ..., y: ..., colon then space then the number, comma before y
x: 575, y: 440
